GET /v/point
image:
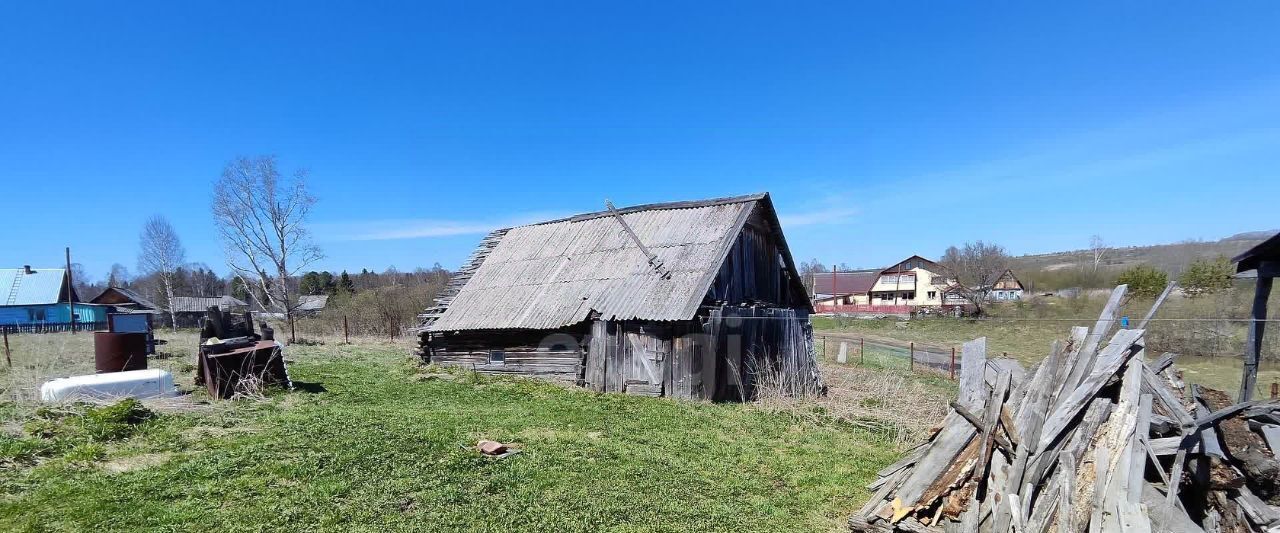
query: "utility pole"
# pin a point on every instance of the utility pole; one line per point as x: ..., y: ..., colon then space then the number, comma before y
x: 71, y: 301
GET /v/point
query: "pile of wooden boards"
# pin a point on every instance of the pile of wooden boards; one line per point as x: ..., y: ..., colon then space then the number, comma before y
x: 1097, y: 438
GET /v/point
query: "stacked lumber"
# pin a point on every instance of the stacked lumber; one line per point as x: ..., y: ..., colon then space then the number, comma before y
x: 1096, y: 438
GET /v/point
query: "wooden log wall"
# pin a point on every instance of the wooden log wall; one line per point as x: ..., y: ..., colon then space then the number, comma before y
x: 556, y: 355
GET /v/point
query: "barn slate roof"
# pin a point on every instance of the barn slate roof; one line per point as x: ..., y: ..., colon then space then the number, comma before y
x: 200, y: 304
x: 128, y: 294
x: 557, y: 273
x: 854, y: 282
x: 1268, y: 250
x: 41, y: 286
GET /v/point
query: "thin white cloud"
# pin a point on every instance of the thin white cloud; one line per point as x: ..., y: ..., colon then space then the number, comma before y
x: 830, y: 208
x: 827, y: 215
x: 418, y: 228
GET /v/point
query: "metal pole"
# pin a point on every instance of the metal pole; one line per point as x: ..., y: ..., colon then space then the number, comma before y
x: 5, y: 330
x: 953, y: 363
x: 824, y: 346
x: 346, y: 334
x: 71, y: 304
x: 913, y: 356
x: 862, y: 349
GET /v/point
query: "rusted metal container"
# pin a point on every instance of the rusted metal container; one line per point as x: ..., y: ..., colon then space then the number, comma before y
x: 118, y: 352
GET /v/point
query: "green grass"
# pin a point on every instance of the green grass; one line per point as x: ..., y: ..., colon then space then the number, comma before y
x: 373, y: 443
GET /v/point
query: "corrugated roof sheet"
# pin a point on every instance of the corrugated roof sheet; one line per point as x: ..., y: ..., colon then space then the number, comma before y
x: 200, y: 304
x: 308, y: 302
x: 41, y: 286
x: 553, y: 274
x: 856, y: 282
x: 129, y: 294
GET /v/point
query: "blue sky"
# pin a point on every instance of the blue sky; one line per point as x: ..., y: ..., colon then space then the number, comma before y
x: 882, y: 129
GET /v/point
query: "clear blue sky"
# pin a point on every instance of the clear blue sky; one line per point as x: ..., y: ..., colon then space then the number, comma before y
x: 882, y: 129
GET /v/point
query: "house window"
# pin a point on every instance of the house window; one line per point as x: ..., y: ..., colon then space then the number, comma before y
x: 933, y: 295
x: 497, y: 357
x: 908, y: 296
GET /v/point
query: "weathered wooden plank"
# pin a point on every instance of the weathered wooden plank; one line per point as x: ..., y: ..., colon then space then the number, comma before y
x: 1083, y: 366
x: 909, y: 459
x: 1110, y: 361
x: 1028, y: 421
x: 1071, y: 357
x: 1151, y: 313
x: 1101, y: 461
x: 1138, y: 443
x: 1164, y: 362
x: 956, y: 432
x: 1271, y: 433
x: 1156, y: 386
x: 994, y: 403
x: 1171, y: 445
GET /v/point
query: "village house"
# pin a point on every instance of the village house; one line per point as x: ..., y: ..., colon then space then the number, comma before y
x: 693, y: 299
x: 44, y: 299
x: 125, y: 301
x: 1006, y: 288
x: 911, y: 283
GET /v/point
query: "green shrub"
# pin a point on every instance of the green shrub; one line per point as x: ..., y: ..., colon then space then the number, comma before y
x: 1207, y: 276
x: 1144, y: 281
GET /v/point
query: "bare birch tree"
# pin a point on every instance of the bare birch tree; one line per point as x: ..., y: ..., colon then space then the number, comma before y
x: 1097, y: 249
x: 260, y: 217
x: 160, y: 252
x: 976, y: 266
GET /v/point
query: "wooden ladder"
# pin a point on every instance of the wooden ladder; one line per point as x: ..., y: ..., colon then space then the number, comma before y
x: 13, y: 289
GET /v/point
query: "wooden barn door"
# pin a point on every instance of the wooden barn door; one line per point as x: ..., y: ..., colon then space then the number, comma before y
x: 647, y: 348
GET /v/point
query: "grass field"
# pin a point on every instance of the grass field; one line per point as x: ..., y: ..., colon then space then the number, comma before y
x: 373, y: 442
x: 1028, y: 341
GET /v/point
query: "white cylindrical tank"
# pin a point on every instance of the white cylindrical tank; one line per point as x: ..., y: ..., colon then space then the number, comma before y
x: 150, y: 383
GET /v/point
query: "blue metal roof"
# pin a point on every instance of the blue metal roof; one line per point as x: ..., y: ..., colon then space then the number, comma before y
x: 41, y: 286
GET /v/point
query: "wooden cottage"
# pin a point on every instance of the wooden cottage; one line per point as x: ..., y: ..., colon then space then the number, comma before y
x: 693, y: 299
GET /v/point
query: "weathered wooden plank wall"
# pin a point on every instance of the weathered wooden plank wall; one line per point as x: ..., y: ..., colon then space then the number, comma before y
x: 556, y: 355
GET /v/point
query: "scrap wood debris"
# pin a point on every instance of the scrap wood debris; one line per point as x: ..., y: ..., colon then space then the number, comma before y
x: 1097, y: 438
x: 495, y: 449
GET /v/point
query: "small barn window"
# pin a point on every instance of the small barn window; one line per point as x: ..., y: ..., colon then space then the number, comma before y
x: 497, y: 357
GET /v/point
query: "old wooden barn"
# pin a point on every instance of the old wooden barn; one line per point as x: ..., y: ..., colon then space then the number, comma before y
x: 695, y: 299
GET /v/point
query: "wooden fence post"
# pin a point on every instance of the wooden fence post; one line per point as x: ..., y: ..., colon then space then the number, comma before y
x: 953, y: 363
x: 913, y: 357
x: 346, y: 334
x: 862, y: 350
x: 1275, y: 387
x: 5, y: 330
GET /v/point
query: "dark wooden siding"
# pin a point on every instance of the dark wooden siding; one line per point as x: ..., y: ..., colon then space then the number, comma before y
x: 556, y: 355
x: 754, y: 270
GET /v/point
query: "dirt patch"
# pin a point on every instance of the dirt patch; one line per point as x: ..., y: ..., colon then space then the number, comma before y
x: 135, y: 462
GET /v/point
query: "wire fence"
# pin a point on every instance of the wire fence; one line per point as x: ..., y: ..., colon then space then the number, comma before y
x: 910, y: 356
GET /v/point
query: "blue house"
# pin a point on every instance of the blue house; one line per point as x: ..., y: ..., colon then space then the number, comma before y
x: 42, y: 298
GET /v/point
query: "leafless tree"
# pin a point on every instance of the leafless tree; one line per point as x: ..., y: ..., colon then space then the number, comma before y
x: 119, y: 276
x: 161, y: 253
x: 976, y: 267
x: 260, y: 217
x: 1097, y: 249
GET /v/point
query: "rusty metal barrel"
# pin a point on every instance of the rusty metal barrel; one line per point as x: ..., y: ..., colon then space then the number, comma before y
x: 118, y: 352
